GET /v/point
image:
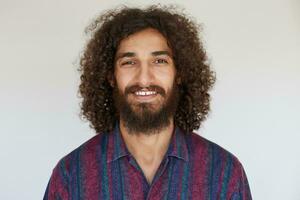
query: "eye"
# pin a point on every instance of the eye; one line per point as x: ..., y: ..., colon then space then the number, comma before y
x: 129, y: 62
x: 160, y: 61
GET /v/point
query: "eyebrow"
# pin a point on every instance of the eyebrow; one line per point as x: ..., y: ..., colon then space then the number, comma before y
x: 157, y: 53
x: 132, y: 54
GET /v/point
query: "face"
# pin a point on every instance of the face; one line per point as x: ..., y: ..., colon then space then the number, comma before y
x: 145, y: 92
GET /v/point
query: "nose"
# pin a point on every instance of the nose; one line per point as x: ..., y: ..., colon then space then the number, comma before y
x: 144, y: 75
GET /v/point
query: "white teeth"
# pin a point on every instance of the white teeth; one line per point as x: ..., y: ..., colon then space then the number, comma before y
x: 144, y: 93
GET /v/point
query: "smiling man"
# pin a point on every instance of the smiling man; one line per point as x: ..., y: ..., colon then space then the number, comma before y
x: 145, y: 82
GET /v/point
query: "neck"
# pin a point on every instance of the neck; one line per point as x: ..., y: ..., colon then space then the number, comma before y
x: 147, y: 148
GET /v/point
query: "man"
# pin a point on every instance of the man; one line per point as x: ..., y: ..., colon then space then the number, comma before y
x: 145, y: 82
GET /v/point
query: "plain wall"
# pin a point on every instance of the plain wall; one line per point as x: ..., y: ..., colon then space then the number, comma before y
x: 253, y: 45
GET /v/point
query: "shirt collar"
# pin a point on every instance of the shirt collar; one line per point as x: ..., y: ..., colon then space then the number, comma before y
x: 117, y: 149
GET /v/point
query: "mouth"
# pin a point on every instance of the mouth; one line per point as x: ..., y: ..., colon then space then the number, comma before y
x: 145, y: 95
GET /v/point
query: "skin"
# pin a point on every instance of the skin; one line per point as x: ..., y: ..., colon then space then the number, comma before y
x: 144, y: 59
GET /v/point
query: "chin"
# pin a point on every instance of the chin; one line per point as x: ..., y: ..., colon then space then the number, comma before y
x: 148, y: 107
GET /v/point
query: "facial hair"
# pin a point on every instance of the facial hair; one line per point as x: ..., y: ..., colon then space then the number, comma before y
x: 143, y: 119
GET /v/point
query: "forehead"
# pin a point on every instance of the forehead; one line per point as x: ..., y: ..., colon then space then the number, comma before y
x: 147, y: 40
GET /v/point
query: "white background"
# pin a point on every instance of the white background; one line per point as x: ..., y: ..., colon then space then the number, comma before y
x: 253, y: 45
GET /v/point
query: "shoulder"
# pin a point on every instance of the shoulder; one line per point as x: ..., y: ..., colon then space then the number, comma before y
x: 69, y: 170
x: 220, y: 168
x: 85, y: 153
x: 211, y: 153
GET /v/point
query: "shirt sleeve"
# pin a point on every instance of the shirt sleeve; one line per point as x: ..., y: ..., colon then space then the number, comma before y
x: 57, y: 188
x: 243, y: 190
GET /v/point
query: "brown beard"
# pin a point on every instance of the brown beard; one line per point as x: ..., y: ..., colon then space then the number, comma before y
x: 145, y: 121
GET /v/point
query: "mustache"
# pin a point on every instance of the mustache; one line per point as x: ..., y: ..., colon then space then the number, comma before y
x: 134, y: 88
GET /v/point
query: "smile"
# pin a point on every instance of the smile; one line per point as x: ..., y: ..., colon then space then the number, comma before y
x: 145, y: 96
x: 145, y: 93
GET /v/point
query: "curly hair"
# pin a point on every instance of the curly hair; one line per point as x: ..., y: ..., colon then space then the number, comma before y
x: 97, y: 62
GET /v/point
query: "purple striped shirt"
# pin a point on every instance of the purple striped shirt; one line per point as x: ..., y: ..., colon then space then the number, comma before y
x: 192, y: 168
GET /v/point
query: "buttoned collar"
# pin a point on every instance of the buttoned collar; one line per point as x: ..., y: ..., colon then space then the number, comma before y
x: 116, y: 147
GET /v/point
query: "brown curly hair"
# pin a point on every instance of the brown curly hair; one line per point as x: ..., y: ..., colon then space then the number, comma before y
x: 97, y: 63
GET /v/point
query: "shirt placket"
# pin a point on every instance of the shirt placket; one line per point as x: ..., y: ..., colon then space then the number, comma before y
x: 151, y: 188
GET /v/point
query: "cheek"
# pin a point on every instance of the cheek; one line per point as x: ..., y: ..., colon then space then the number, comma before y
x: 168, y: 79
x: 122, y: 80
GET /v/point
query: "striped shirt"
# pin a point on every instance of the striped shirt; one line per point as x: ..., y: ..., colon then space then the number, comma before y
x: 192, y: 168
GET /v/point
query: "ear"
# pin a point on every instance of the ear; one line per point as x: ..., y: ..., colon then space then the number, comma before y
x: 178, y: 80
x: 110, y: 79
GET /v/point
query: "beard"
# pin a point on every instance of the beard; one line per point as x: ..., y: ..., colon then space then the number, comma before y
x: 146, y: 118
